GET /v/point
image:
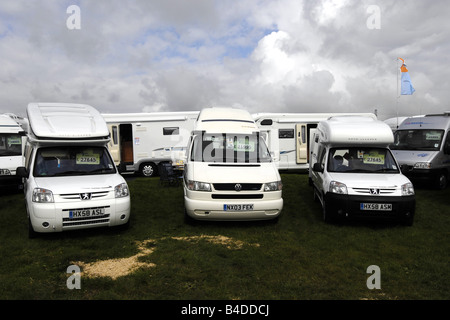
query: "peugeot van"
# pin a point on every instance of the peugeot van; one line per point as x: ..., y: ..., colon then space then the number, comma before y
x: 70, y: 180
x: 354, y: 173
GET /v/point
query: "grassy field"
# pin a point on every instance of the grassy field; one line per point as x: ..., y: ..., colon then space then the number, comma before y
x: 161, y: 257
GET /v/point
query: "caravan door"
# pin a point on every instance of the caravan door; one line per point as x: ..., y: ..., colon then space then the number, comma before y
x: 114, y: 145
x: 301, y: 143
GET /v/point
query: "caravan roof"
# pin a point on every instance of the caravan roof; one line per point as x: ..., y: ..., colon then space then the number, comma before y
x: 303, y: 117
x: 226, y: 120
x: 149, y: 117
x: 66, y: 120
x: 8, y: 125
x: 355, y: 130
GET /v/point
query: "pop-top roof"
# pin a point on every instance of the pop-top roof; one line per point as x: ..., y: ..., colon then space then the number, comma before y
x: 66, y: 121
x: 226, y: 120
x: 355, y: 130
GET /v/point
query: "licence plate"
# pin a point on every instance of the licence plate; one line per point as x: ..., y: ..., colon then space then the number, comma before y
x: 237, y: 207
x: 376, y: 206
x: 82, y: 213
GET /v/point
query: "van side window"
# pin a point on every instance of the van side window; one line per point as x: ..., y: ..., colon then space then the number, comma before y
x: 321, y: 160
x: 114, y: 135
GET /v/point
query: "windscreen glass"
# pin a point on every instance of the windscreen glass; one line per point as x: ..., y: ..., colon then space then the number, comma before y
x: 361, y: 159
x: 417, y: 139
x: 230, y: 148
x: 72, y: 161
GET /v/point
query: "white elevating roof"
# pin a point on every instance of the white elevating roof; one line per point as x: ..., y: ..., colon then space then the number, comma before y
x: 355, y: 130
x: 226, y: 120
x: 66, y: 121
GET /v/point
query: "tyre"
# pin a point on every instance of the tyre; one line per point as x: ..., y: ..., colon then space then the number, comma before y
x: 147, y: 170
x: 441, y: 180
x: 327, y: 216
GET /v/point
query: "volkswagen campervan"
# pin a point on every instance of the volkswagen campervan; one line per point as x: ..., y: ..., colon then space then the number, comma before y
x: 354, y: 174
x: 229, y: 174
x: 422, y: 148
x: 70, y: 180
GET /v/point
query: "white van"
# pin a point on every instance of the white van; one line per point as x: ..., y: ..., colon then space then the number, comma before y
x: 422, y: 148
x: 229, y: 174
x: 12, y: 136
x: 71, y: 181
x: 140, y: 141
x: 354, y: 174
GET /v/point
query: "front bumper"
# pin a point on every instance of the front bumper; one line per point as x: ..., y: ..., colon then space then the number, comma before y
x: 215, y: 209
x: 350, y: 206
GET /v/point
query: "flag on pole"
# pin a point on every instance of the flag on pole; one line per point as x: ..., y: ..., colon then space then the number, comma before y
x: 406, y: 86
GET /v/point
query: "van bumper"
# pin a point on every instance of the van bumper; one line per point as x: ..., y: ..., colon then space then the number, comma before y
x: 56, y: 217
x: 216, y: 210
x: 351, y: 206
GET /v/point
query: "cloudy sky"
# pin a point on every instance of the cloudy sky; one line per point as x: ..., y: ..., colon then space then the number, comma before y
x: 259, y: 55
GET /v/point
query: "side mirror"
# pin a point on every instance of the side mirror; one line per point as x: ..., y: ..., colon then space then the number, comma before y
x: 22, y: 172
x: 317, y: 167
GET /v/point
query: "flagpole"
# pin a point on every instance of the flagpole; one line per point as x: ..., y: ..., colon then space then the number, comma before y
x: 397, y: 92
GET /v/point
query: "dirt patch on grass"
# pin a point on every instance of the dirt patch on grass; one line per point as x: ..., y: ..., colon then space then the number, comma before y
x: 115, y: 268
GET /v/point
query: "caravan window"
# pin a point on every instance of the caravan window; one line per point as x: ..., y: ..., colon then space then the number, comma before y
x: 72, y: 161
x: 361, y: 160
x: 10, y: 145
x: 418, y: 139
x: 170, y: 131
x: 286, y: 133
x: 230, y: 148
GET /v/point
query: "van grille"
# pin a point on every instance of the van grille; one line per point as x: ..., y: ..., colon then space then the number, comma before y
x: 242, y: 186
x: 368, y: 191
x: 76, y: 196
x: 237, y: 196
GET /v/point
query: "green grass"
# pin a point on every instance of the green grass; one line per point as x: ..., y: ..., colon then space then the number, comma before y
x: 300, y: 257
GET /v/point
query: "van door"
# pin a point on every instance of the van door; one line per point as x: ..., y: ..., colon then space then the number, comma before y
x: 301, y: 143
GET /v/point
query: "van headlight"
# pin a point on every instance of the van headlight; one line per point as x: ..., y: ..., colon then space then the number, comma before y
x: 338, y: 187
x: 121, y: 190
x: 198, y: 186
x: 407, y: 189
x: 273, y: 186
x: 42, y: 195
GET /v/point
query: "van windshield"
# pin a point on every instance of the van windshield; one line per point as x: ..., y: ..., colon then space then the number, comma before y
x: 72, y: 161
x: 10, y: 145
x: 230, y: 148
x: 361, y: 159
x: 417, y: 139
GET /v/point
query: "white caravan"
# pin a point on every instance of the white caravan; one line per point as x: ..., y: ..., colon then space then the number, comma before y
x: 229, y: 173
x: 422, y: 147
x: 12, y: 138
x: 140, y: 141
x: 288, y: 135
x: 71, y: 181
x: 354, y: 174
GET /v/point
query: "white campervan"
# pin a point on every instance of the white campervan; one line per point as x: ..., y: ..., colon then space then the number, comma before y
x: 229, y: 174
x: 12, y: 136
x: 354, y: 174
x: 71, y: 181
x: 140, y: 141
x: 422, y: 148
